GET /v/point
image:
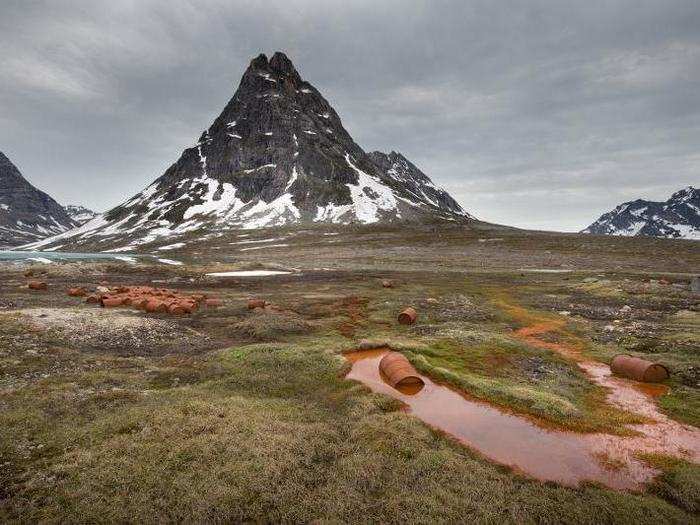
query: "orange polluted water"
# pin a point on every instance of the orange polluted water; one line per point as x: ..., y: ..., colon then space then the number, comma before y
x: 548, y: 455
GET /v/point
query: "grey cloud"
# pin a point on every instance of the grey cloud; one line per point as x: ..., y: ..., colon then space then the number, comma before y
x: 537, y: 114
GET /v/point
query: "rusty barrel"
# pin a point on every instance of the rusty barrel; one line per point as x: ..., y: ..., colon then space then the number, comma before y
x: 110, y: 301
x: 256, y: 303
x: 156, y: 306
x: 638, y: 369
x: 408, y: 316
x: 398, y: 371
x: 37, y: 285
x: 177, y: 308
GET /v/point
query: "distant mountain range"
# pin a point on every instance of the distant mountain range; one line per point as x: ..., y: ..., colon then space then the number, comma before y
x: 26, y: 213
x: 79, y: 214
x: 678, y: 217
x: 277, y: 154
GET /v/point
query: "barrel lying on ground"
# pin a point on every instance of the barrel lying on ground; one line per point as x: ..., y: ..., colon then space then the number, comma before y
x: 408, y: 316
x: 638, y: 369
x: 398, y: 371
x: 37, y: 285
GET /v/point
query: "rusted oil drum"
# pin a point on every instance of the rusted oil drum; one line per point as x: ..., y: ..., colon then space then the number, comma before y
x: 256, y: 303
x: 398, y: 371
x: 156, y: 306
x: 408, y: 316
x: 139, y: 302
x: 37, y: 285
x: 112, y: 301
x: 177, y: 308
x: 638, y: 369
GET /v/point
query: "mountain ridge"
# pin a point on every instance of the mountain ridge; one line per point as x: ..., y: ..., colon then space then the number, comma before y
x: 277, y: 154
x: 677, y: 217
x: 27, y: 213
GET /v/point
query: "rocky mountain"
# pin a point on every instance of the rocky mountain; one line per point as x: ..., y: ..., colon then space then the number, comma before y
x: 277, y: 154
x: 79, y: 214
x: 26, y: 213
x: 678, y: 217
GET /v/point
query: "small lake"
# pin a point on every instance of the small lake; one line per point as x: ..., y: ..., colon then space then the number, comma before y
x: 49, y: 257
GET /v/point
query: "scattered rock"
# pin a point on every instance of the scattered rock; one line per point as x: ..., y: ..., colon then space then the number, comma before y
x: 387, y: 283
x: 366, y: 344
x: 695, y: 285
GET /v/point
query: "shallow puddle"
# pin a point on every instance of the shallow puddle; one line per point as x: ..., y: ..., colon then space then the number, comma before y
x: 662, y: 435
x: 545, y: 454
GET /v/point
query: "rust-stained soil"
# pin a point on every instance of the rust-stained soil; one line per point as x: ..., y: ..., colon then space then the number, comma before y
x: 545, y: 454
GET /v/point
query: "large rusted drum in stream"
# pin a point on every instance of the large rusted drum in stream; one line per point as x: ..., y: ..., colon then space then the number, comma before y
x: 638, y: 369
x: 398, y: 371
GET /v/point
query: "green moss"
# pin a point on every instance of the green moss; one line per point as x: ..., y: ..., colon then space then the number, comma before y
x: 679, y: 482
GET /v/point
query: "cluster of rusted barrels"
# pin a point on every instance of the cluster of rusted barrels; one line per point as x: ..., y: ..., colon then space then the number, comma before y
x: 148, y: 298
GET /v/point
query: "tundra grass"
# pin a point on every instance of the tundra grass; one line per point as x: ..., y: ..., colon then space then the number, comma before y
x: 486, y: 361
x: 273, y: 434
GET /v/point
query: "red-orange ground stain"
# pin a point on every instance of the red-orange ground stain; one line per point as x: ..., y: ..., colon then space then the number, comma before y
x: 545, y: 454
x: 548, y: 455
x: 651, y: 389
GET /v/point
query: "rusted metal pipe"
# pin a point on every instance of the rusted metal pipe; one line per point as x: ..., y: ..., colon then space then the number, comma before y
x: 408, y: 316
x: 638, y: 369
x: 398, y: 371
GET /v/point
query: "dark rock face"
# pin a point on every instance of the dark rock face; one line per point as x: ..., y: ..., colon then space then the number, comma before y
x: 26, y: 213
x: 277, y: 154
x: 678, y: 217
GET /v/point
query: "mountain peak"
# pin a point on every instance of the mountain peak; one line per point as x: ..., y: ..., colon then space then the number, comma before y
x: 277, y: 154
x: 26, y: 213
x: 259, y: 62
x: 281, y: 64
x: 678, y: 217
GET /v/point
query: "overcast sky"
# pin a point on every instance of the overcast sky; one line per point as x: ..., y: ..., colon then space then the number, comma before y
x: 539, y: 114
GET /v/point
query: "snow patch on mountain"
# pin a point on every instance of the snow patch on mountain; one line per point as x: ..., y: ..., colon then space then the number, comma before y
x: 676, y: 218
x: 278, y: 154
x: 79, y: 214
